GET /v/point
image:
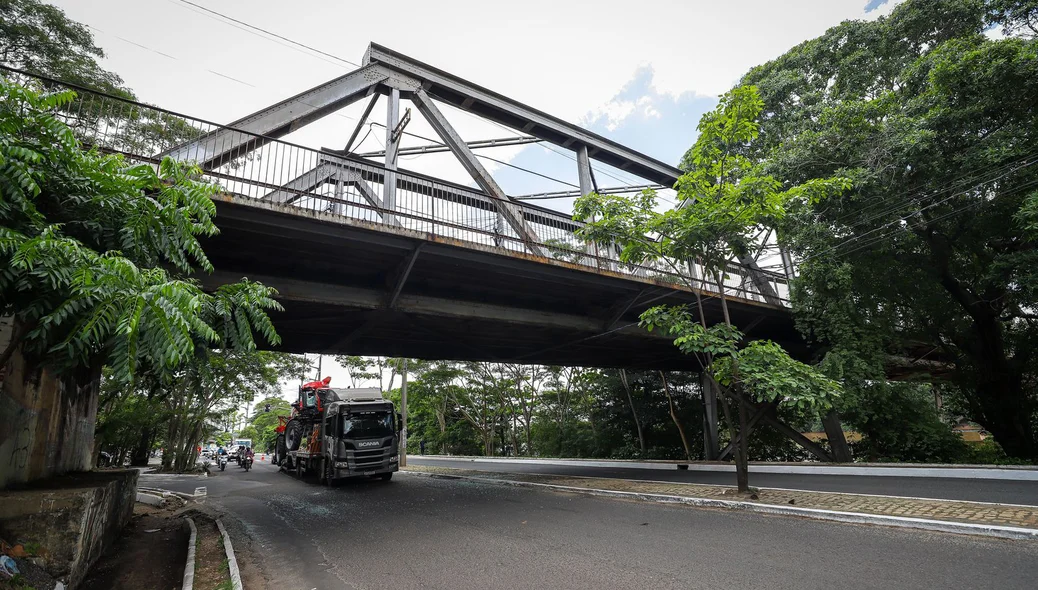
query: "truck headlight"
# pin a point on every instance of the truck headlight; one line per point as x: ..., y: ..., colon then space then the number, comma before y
x: 394, y: 459
x: 342, y: 465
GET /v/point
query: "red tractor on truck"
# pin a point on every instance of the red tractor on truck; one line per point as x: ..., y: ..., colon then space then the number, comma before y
x: 338, y: 433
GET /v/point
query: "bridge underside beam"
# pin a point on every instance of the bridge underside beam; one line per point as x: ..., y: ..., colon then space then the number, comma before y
x: 374, y: 299
x: 460, y: 301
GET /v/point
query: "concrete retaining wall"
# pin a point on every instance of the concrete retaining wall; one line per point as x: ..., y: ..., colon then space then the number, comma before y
x: 72, y: 519
x: 47, y: 425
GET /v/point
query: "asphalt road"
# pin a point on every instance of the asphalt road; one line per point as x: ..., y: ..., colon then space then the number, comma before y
x: 976, y: 490
x: 419, y: 532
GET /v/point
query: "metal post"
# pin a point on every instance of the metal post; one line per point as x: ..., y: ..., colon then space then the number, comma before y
x: 392, y: 148
x: 710, y: 433
x: 403, y: 416
x: 586, y: 188
x: 337, y: 205
x: 787, y: 263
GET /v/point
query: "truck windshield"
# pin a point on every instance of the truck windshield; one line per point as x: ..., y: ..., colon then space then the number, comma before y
x: 367, y: 425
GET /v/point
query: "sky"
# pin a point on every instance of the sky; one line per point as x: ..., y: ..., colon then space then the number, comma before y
x: 640, y: 73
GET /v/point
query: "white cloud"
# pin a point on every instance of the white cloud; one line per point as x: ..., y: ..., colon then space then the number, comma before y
x: 614, y: 112
x: 645, y: 103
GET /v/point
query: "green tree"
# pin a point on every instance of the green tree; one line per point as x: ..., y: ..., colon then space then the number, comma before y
x: 725, y: 197
x: 266, y: 422
x: 39, y: 38
x: 82, y: 240
x: 932, y: 253
x: 212, y: 384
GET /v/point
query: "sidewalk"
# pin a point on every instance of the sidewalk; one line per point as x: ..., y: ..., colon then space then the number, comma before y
x: 944, y: 471
x: 1004, y: 515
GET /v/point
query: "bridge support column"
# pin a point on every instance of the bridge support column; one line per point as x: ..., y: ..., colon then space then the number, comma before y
x: 403, y: 415
x: 710, y: 433
x: 392, y: 148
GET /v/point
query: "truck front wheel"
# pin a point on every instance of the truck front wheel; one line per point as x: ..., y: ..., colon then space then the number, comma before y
x: 386, y: 476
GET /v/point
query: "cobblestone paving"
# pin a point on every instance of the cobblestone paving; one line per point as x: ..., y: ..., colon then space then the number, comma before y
x: 970, y: 512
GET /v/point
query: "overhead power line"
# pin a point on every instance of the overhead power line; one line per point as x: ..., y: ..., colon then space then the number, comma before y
x: 841, y: 248
x: 959, y: 181
x: 267, y: 32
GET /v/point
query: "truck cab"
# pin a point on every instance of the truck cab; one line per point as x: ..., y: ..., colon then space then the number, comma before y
x: 361, y: 434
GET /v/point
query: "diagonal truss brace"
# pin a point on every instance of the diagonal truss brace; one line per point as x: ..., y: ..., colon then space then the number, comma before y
x: 252, y: 132
x: 447, y: 133
x: 329, y: 172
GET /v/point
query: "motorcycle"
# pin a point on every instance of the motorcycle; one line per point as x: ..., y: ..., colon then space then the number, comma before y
x: 223, y: 462
x: 246, y: 462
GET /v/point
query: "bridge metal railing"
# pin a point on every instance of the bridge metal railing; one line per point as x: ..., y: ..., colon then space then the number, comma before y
x: 306, y: 180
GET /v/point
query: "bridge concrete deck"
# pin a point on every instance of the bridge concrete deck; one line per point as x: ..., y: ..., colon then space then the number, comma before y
x: 354, y: 287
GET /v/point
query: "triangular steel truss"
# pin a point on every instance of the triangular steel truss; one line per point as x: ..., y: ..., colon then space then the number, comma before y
x: 396, y: 76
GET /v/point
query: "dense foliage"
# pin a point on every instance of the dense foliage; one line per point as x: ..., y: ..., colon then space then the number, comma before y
x: 84, y: 242
x: 725, y: 198
x: 931, y: 255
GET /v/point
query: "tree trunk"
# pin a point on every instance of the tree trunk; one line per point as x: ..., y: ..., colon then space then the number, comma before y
x: 1006, y: 414
x: 743, y: 471
x: 594, y: 433
x: 515, y: 439
x: 742, y: 466
x: 441, y: 420
x: 488, y: 443
x: 674, y: 417
x: 630, y: 400
x: 837, y: 440
x: 143, y: 448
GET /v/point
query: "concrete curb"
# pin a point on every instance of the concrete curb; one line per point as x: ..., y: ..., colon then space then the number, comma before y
x: 149, y: 499
x: 232, y: 563
x: 875, y: 470
x: 189, y: 567
x: 199, y: 492
x: 960, y: 528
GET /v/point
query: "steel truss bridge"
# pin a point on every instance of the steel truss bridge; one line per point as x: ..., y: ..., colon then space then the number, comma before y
x: 370, y: 258
x: 373, y: 259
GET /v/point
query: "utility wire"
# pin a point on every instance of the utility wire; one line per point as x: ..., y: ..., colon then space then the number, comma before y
x: 214, y: 72
x: 905, y: 201
x: 271, y: 33
x: 547, y: 146
x: 842, y: 246
x: 960, y: 180
x: 254, y: 29
x: 951, y: 213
